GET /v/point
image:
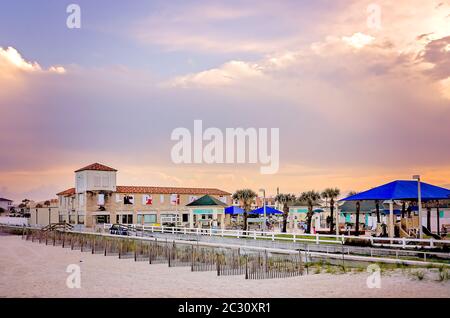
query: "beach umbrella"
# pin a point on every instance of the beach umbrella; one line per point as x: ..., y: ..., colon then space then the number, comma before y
x: 233, y: 210
x: 269, y: 211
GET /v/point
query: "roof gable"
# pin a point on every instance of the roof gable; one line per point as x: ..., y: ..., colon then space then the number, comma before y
x: 206, y: 200
x: 96, y: 167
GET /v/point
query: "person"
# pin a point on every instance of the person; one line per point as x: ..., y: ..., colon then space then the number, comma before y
x: 443, y: 231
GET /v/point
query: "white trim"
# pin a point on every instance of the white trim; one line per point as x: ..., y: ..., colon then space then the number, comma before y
x: 100, y: 213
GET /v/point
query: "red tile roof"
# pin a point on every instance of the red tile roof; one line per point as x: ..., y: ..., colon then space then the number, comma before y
x: 157, y: 190
x: 96, y: 167
x: 70, y: 191
x: 170, y: 190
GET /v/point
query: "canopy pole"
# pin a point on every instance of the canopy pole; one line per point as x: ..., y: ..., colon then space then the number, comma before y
x: 391, y: 218
x: 419, y: 199
x: 337, y: 221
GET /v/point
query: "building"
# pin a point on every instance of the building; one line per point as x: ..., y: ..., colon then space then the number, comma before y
x: 96, y: 199
x: 44, y: 213
x: 5, y: 205
x: 207, y: 212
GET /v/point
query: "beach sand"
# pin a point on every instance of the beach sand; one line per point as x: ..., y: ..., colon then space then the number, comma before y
x: 34, y: 270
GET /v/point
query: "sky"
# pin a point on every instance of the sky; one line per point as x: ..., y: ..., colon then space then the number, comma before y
x: 360, y: 91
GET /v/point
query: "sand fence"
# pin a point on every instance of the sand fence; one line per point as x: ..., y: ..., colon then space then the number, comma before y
x: 224, y: 261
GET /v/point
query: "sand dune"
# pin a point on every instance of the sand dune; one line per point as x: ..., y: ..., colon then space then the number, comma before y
x: 33, y: 270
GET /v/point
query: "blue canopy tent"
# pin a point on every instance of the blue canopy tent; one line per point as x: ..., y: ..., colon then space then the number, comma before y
x: 233, y: 210
x: 402, y: 190
x: 269, y: 211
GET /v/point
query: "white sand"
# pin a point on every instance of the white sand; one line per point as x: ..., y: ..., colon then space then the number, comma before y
x: 34, y: 270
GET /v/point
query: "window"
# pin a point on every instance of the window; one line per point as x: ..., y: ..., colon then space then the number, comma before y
x: 101, y: 219
x: 71, y: 219
x: 147, y: 199
x: 118, y: 199
x: 101, y: 199
x: 80, y: 219
x: 148, y: 218
x: 128, y: 199
x: 124, y: 218
x: 161, y: 198
x: 185, y: 217
x: 175, y: 199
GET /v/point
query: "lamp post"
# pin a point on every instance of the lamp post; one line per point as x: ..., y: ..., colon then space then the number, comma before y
x: 337, y: 220
x: 264, y: 208
x: 419, y: 204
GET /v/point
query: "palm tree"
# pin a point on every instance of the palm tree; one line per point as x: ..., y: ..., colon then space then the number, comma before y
x: 377, y: 207
x: 310, y: 198
x: 332, y: 194
x: 358, y: 209
x: 245, y: 198
x: 285, y: 199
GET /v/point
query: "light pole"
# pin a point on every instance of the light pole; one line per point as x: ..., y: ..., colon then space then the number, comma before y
x: 264, y: 208
x: 419, y: 204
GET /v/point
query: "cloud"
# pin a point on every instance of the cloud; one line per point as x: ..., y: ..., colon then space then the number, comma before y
x: 233, y: 71
x: 16, y: 72
x: 11, y: 58
x: 358, y: 40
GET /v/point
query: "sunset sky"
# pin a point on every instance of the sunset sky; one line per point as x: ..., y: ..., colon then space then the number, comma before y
x: 357, y: 105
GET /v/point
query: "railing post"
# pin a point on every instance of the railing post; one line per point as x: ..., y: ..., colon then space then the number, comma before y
x: 431, y: 243
x: 254, y: 235
x: 317, y: 238
x: 273, y: 236
x: 294, y: 236
x: 162, y: 229
x: 222, y: 232
x: 342, y: 238
x: 173, y: 230
x: 404, y: 242
x: 198, y: 230
x: 210, y: 231
x: 184, y: 231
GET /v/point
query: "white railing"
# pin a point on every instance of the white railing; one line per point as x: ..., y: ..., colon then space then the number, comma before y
x: 293, y: 237
x: 13, y: 220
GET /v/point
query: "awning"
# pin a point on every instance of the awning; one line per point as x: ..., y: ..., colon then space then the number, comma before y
x: 402, y: 190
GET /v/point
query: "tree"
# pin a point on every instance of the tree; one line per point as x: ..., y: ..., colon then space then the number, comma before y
x: 358, y: 210
x: 2, y: 210
x: 332, y: 194
x: 47, y: 203
x: 245, y: 198
x: 310, y: 198
x: 285, y: 200
x: 377, y: 208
